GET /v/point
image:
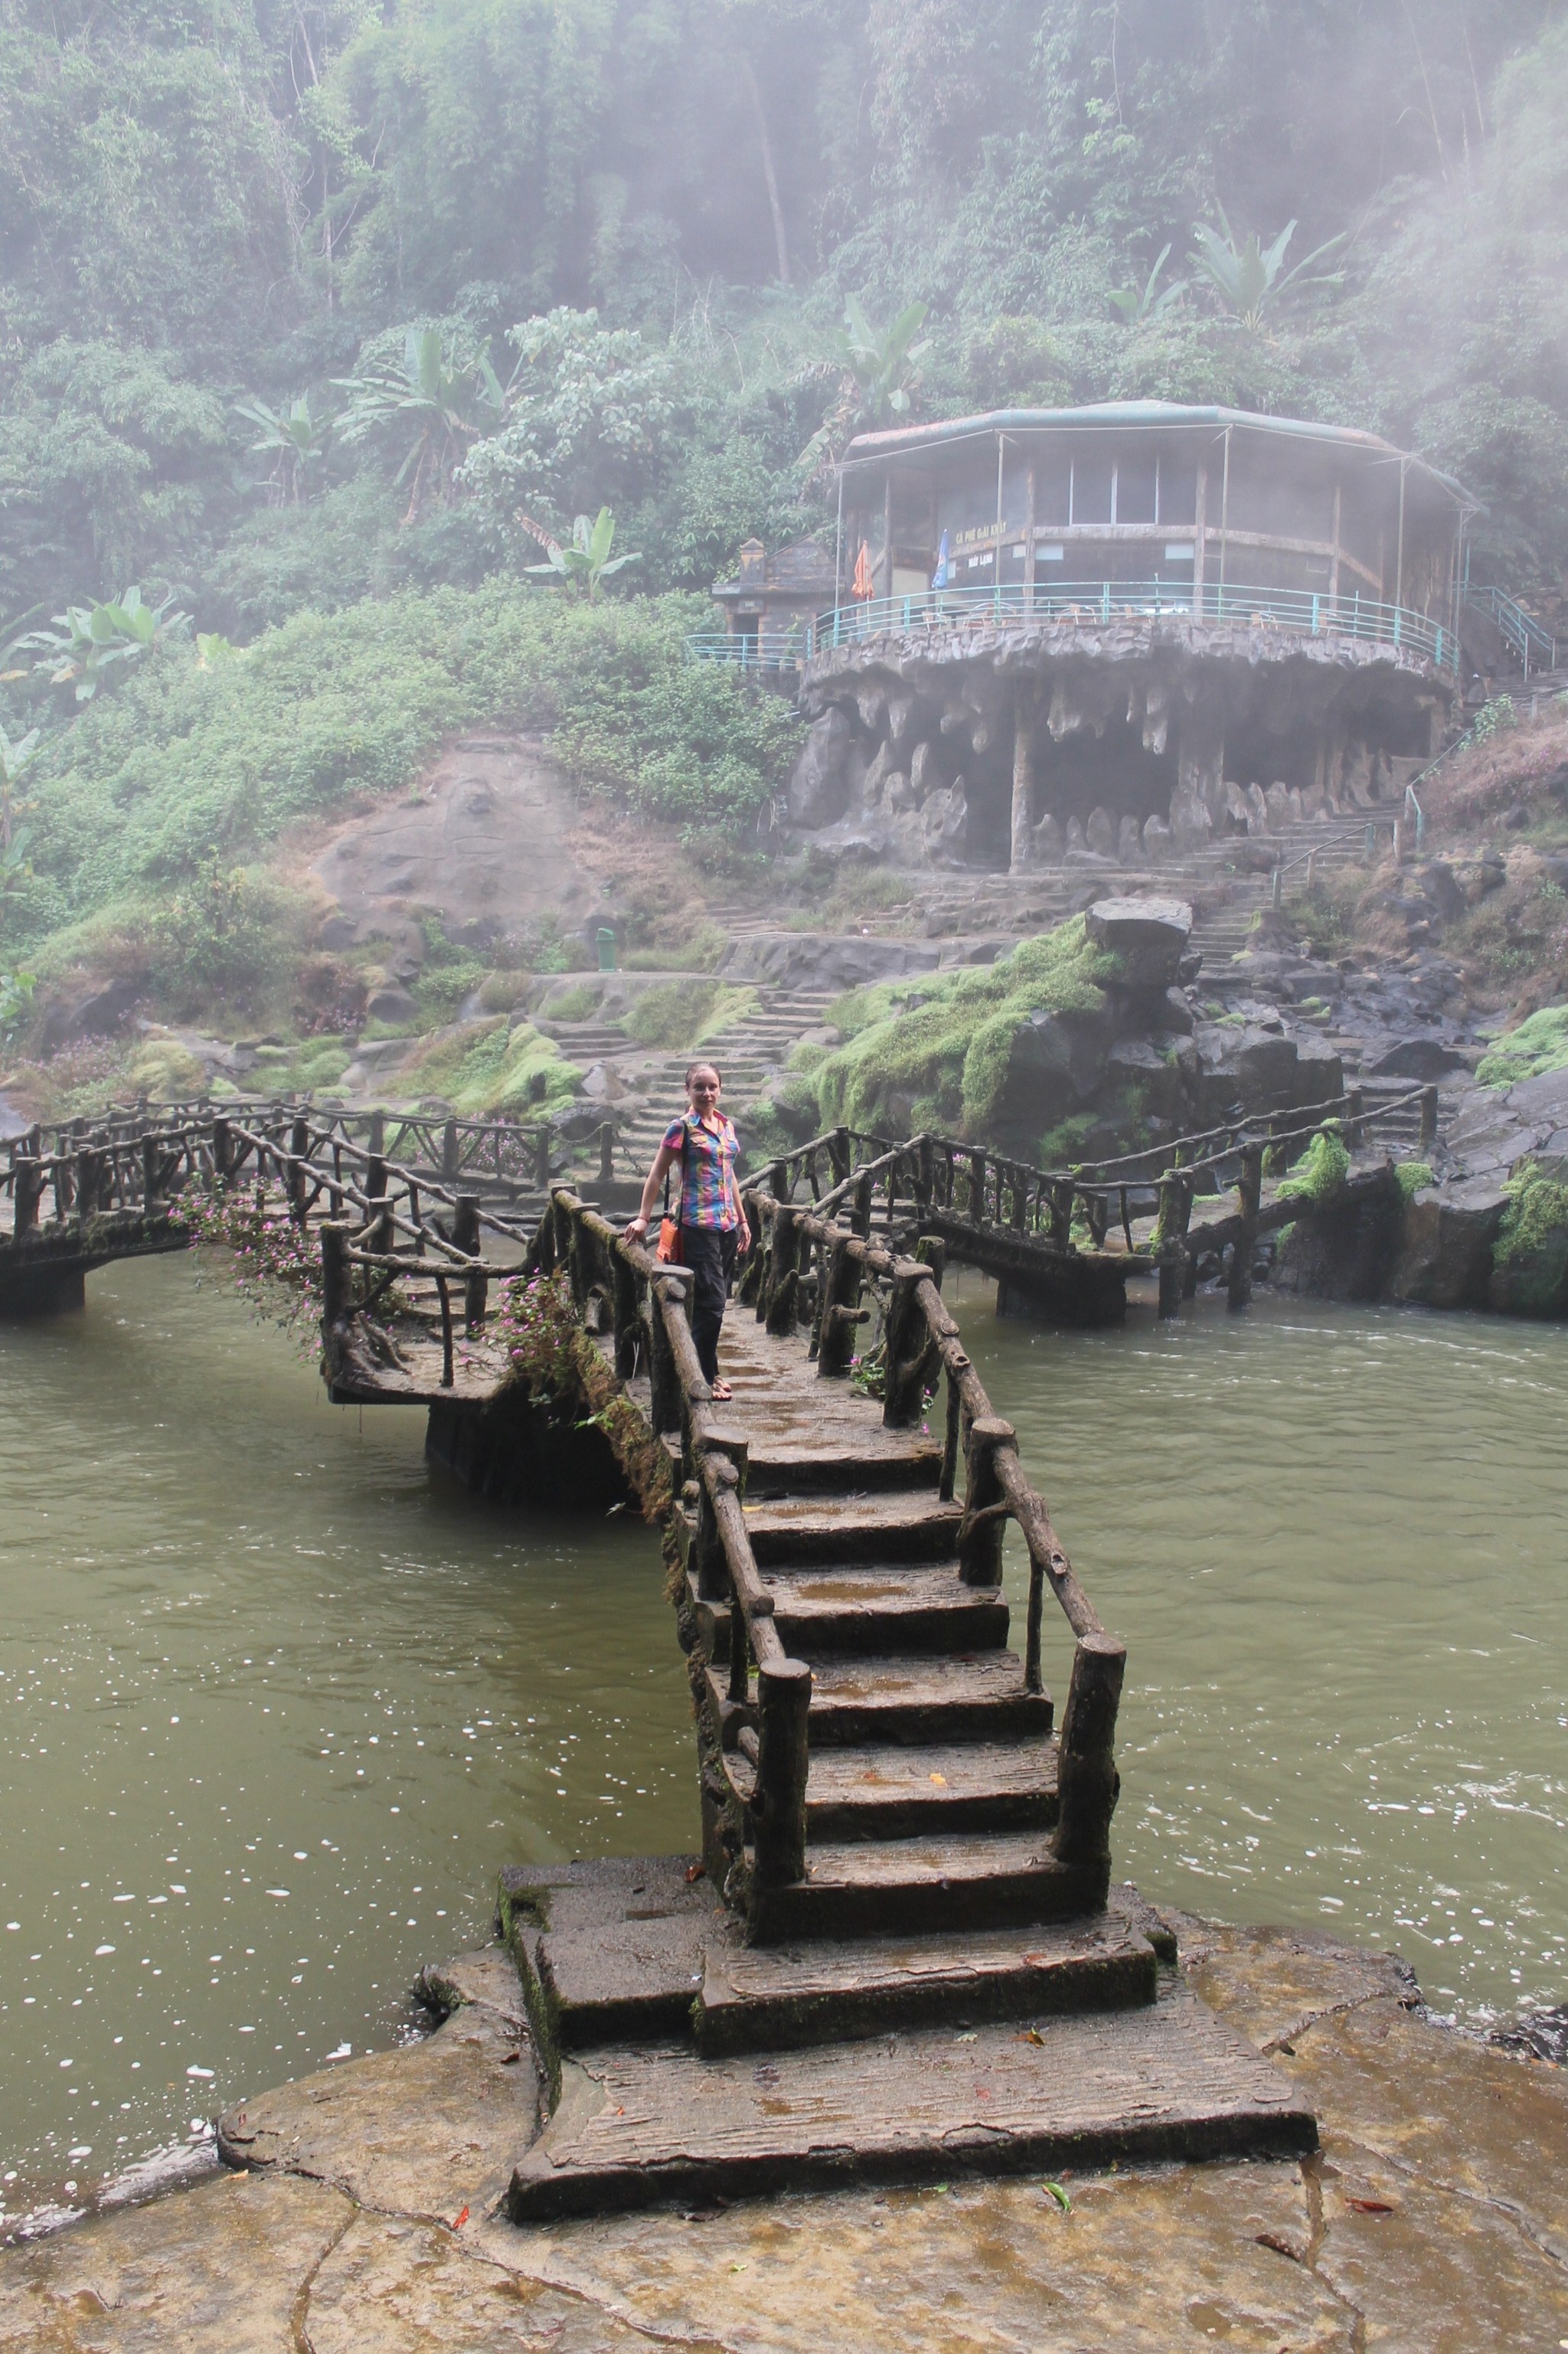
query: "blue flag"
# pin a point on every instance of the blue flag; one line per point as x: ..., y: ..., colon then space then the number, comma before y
x: 940, y: 577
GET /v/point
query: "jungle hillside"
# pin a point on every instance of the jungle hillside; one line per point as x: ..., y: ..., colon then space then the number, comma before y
x: 373, y: 373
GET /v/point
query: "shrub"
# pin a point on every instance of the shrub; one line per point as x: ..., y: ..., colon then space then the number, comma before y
x: 187, y: 770
x: 485, y: 1068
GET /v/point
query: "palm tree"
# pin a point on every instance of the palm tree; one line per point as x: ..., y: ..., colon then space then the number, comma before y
x: 1249, y: 280
x: 296, y: 439
x: 441, y: 403
x: 582, y: 567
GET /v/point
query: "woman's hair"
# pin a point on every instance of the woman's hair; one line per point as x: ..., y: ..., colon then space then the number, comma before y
x: 692, y: 1069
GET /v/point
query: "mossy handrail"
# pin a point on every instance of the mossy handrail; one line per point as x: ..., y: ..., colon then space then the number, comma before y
x: 619, y: 1285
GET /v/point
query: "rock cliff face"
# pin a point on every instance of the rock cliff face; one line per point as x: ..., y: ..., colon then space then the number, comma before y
x: 1096, y: 740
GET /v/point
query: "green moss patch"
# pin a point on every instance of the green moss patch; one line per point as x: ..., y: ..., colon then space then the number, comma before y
x: 944, y: 1041
x: 681, y: 1013
x: 1322, y: 1170
x: 488, y: 1068
x: 1540, y: 1044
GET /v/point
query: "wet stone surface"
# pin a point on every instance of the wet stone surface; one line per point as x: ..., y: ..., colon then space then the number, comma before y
x: 1434, y: 2218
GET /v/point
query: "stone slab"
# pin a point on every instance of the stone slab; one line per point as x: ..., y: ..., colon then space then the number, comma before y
x: 637, y: 2125
x: 1429, y: 2223
x: 428, y: 2128
x: 775, y: 1997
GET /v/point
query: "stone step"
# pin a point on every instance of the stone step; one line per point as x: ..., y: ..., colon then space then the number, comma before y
x: 796, y: 1530
x: 1160, y: 2082
x: 780, y: 1997
x: 909, y: 1792
x: 877, y: 1609
x: 937, y: 1885
x: 914, y: 1700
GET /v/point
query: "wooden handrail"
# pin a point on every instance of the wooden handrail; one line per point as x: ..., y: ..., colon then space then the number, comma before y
x: 646, y: 1294
x: 996, y: 1487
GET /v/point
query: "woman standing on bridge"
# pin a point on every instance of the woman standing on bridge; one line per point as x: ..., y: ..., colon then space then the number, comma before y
x: 710, y: 1221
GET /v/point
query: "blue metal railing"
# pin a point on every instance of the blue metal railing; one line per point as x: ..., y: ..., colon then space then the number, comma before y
x: 1308, y: 611
x: 771, y: 650
x: 1516, y: 627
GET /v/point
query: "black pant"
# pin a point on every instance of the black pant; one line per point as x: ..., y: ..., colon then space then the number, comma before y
x: 709, y: 1252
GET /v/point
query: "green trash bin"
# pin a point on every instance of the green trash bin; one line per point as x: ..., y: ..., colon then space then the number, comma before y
x: 606, y: 948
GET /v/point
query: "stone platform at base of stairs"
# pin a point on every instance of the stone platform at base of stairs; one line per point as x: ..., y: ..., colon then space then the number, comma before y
x: 680, y: 2064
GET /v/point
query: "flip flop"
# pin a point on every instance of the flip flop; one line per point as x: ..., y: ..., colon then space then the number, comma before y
x: 721, y: 1393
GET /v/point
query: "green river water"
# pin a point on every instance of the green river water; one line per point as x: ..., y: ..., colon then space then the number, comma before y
x: 278, y: 1700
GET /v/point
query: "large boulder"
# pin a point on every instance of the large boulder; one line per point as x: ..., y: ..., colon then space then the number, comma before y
x: 1420, y: 1059
x: 1056, y: 1062
x: 1530, y: 1260
x: 1246, y: 1068
x: 1150, y: 1070
x: 1147, y: 936
x: 1445, y: 1256
x: 820, y: 782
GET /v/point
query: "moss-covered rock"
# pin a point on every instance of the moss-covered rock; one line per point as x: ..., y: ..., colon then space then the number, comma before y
x: 1530, y: 1259
x: 1009, y: 1047
x: 1446, y: 1248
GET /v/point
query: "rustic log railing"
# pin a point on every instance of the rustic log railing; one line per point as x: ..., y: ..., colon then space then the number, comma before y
x: 878, y: 1183
x: 621, y: 1292
x: 511, y: 1157
x: 921, y: 1346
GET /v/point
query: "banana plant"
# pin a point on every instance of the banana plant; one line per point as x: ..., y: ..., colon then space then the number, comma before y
x: 86, y: 640
x: 1138, y: 309
x: 16, y: 996
x: 296, y: 439
x: 1249, y: 282
x: 881, y: 366
x: 439, y: 401
x: 588, y: 562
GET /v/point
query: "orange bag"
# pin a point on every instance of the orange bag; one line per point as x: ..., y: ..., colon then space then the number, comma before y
x: 669, y: 1248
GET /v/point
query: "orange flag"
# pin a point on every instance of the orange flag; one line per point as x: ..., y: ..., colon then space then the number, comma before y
x: 863, y: 584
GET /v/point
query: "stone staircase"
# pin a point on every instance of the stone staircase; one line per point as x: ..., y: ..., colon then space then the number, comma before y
x: 748, y: 1055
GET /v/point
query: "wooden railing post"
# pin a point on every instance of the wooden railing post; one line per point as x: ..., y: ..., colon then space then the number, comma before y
x: 838, y: 1158
x: 299, y: 1154
x: 152, y: 1170
x: 465, y: 1238
x: 932, y: 1253
x: 778, y: 1806
x: 977, y: 1189
x: 375, y: 1140
x: 449, y: 1154
x: 982, y: 1527
x: 28, y: 1191
x: 1061, y: 1193
x: 1087, y: 1783
x: 667, y: 1400
x: 841, y: 1312
x: 1249, y: 1190
x: 859, y: 1216
x: 623, y: 1308
x: 542, y: 1158
x: 88, y: 1182
x: 336, y: 1296
x: 708, y: 1546
x: 1355, y: 1125
x: 1170, y: 1240
x: 607, y: 1152
x: 1428, y: 1120
x: 784, y: 1276
x: 910, y: 1346
x: 222, y: 1150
